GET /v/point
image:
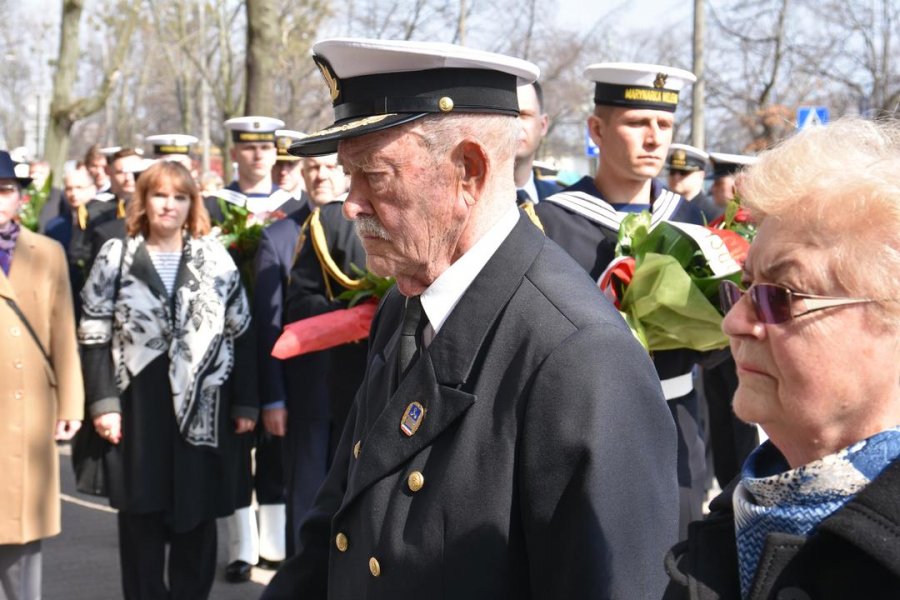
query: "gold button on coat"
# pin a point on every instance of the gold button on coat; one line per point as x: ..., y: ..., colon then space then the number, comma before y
x: 14, y: 331
x: 374, y: 567
x: 341, y: 542
x: 415, y: 481
x: 356, y: 447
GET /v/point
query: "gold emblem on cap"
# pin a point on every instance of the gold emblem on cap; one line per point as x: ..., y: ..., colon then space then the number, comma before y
x: 660, y: 81
x: 445, y: 104
x: 330, y: 78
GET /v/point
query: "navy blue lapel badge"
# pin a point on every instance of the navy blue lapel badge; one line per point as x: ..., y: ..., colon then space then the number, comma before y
x: 412, y: 418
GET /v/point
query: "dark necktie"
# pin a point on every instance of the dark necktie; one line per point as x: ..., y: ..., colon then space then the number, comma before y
x: 410, y: 333
x: 522, y: 197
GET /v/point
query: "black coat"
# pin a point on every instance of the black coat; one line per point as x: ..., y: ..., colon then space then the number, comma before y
x: 546, y: 448
x: 855, y: 553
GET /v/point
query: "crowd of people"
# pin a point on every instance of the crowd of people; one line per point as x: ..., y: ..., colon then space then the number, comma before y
x: 502, y: 432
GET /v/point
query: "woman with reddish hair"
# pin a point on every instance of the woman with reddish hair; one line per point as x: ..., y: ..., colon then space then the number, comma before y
x: 165, y: 321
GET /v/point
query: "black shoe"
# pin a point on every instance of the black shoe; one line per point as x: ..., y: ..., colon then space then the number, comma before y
x: 269, y: 565
x: 238, y: 571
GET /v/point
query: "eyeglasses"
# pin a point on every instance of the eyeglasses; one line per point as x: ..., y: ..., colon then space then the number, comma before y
x: 774, y: 304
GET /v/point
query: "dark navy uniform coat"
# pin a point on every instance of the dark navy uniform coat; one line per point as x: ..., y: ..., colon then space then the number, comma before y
x: 543, y: 467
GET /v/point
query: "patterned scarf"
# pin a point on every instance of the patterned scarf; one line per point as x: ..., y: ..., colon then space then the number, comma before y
x: 772, y: 497
x: 8, y: 237
x: 196, y: 331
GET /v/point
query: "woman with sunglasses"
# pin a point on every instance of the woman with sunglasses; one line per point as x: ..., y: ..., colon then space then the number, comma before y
x: 815, y: 334
x: 168, y: 354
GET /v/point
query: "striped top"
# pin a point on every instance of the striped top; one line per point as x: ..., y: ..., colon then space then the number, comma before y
x: 166, y: 265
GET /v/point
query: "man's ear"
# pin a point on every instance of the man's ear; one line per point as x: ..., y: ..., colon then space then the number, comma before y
x: 595, y: 129
x: 475, y: 166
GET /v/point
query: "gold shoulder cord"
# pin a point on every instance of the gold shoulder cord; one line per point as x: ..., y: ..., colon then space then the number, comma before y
x: 82, y: 217
x: 528, y: 207
x: 120, y: 210
x: 329, y: 268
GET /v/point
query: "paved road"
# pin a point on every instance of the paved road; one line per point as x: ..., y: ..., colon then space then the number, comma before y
x: 82, y: 563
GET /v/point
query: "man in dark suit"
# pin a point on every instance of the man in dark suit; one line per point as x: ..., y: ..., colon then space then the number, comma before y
x: 102, y: 217
x: 532, y: 185
x: 79, y: 188
x: 509, y: 439
x: 321, y: 385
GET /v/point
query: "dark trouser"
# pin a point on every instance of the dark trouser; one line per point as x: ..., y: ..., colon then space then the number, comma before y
x: 142, y: 552
x: 268, y: 480
x: 691, y: 460
x: 731, y: 439
x: 306, y: 460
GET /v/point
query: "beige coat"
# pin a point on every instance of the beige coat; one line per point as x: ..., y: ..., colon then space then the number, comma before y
x: 30, y: 405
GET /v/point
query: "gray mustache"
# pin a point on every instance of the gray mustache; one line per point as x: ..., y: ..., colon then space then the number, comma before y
x: 370, y: 226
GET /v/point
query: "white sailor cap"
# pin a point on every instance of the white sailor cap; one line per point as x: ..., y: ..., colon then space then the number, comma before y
x: 109, y: 150
x: 686, y: 158
x: 137, y: 165
x: 377, y: 84
x: 283, y: 140
x: 638, y: 85
x: 253, y: 129
x: 166, y: 144
x: 729, y: 164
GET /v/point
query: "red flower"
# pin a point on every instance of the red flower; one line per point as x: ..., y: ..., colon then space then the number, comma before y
x: 736, y: 244
x: 616, y: 278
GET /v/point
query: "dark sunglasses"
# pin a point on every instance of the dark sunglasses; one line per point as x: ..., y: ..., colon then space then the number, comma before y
x: 774, y: 304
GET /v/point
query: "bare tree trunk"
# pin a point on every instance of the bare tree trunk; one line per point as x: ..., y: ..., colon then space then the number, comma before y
x: 64, y: 110
x: 698, y: 128
x: 262, y: 56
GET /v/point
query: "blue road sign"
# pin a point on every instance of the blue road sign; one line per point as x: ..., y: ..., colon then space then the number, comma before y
x: 812, y: 116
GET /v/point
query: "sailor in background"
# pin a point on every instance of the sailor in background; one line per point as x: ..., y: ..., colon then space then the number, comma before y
x: 725, y: 168
x: 632, y: 125
x: 255, y: 153
x: 286, y: 173
x: 687, y: 173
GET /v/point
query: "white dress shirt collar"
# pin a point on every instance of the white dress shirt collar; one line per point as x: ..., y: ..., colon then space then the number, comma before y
x: 442, y: 296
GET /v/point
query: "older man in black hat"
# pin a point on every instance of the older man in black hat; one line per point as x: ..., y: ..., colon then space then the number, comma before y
x: 509, y: 439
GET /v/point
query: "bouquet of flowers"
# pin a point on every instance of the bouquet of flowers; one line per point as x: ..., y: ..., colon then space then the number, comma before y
x: 240, y: 232
x: 665, y: 280
x: 337, y: 327
x: 34, y: 199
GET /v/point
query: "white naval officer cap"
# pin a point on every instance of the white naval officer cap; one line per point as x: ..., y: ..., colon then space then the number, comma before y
x: 683, y: 157
x: 729, y: 164
x: 283, y: 140
x: 253, y: 129
x: 167, y: 144
x: 637, y: 85
x: 377, y: 84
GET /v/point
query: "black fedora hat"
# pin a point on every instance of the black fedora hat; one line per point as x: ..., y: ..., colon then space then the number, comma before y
x: 8, y: 169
